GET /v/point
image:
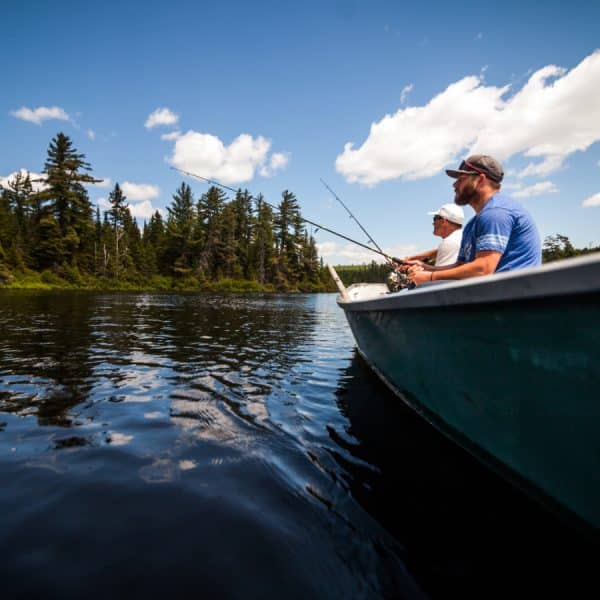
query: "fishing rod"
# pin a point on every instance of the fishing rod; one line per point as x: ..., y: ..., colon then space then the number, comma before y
x: 370, y: 239
x: 340, y: 235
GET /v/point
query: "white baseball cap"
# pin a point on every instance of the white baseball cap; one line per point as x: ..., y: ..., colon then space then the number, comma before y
x: 451, y: 212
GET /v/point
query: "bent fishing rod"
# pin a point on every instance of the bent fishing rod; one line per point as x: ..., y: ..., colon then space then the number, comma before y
x: 370, y: 239
x: 340, y: 235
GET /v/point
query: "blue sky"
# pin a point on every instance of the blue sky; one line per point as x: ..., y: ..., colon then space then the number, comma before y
x: 376, y: 98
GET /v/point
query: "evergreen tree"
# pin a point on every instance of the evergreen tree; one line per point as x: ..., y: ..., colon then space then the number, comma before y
x: 263, y: 246
x: 153, y: 242
x: 227, y: 248
x: 209, y: 224
x: 310, y: 260
x: 133, y: 254
x: 180, y: 242
x: 117, y: 215
x: 48, y: 248
x: 288, y: 227
x: 66, y: 200
x: 18, y: 226
x: 242, y: 205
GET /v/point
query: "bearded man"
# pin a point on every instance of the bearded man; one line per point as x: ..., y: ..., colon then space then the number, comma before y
x: 502, y: 235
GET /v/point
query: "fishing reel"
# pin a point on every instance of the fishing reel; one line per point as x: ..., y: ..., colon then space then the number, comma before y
x: 397, y: 280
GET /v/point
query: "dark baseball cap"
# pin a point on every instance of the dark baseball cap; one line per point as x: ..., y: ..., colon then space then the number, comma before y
x: 476, y: 164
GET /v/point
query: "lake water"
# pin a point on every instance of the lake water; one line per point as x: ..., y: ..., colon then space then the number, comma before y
x: 197, y: 445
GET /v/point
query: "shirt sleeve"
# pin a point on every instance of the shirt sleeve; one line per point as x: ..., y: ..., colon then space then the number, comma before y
x: 493, y: 231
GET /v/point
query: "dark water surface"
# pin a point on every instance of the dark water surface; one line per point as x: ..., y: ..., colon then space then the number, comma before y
x: 237, y: 447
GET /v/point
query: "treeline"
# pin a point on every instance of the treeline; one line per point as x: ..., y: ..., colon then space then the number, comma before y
x: 57, y: 232
x: 557, y: 247
x: 366, y: 273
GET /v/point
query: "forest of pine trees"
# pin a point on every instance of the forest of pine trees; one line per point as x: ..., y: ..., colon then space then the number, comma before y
x: 57, y: 236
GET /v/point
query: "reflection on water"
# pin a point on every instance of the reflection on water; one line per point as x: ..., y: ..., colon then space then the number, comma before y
x: 237, y: 445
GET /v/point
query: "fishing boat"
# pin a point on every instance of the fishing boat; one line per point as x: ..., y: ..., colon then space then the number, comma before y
x: 506, y: 365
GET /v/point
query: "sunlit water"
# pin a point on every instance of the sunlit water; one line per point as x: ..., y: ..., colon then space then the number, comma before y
x: 237, y: 447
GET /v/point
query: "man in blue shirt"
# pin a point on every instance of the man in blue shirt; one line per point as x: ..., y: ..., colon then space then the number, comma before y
x: 500, y: 237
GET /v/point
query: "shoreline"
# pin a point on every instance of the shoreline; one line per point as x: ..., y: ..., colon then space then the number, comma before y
x: 32, y: 282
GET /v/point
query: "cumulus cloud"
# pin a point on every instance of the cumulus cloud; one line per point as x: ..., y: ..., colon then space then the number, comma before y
x: 91, y: 134
x: 207, y: 155
x: 537, y: 189
x: 139, y: 191
x: 161, y: 116
x: 139, y: 210
x: 37, y: 179
x: 278, y: 160
x: 40, y: 114
x: 591, y: 201
x: 553, y: 115
x: 142, y: 210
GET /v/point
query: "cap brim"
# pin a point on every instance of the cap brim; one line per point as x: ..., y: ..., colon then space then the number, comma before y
x: 458, y: 173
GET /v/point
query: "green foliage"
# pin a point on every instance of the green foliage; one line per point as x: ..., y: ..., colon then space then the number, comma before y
x: 53, y: 238
x: 370, y: 273
x: 559, y: 246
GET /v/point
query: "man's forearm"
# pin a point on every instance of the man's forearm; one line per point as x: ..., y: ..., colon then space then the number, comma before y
x: 482, y: 265
x: 427, y: 255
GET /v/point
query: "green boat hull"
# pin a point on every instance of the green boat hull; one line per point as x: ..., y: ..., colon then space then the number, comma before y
x: 516, y: 382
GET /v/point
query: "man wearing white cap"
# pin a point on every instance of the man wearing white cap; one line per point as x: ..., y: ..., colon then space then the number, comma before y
x: 447, y: 224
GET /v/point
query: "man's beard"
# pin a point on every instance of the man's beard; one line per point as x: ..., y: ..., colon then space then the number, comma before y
x: 466, y: 195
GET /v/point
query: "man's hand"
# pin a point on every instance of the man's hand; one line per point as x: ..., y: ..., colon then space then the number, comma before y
x: 418, y: 274
x: 408, y: 264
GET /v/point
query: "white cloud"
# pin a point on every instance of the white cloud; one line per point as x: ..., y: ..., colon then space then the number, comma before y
x: 91, y: 134
x: 406, y: 90
x: 139, y: 191
x: 591, y: 201
x: 161, y: 116
x: 206, y: 155
x: 351, y: 254
x: 548, y: 165
x: 278, y: 161
x: 169, y: 137
x: 142, y: 210
x: 419, y: 142
x: 40, y: 114
x: 553, y: 115
x: 37, y: 179
x: 537, y: 189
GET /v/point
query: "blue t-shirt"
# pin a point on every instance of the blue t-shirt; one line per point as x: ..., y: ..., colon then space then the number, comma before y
x: 503, y: 225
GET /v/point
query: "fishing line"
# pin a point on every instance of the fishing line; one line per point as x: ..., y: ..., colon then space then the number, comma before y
x: 340, y: 235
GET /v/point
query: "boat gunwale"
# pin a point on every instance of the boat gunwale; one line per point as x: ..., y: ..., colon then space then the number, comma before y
x: 574, y: 275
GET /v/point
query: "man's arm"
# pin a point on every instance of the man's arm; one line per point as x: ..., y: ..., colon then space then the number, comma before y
x: 416, y: 259
x: 427, y: 255
x: 485, y: 263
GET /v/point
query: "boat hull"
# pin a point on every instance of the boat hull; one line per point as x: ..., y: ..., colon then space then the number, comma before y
x: 515, y: 381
